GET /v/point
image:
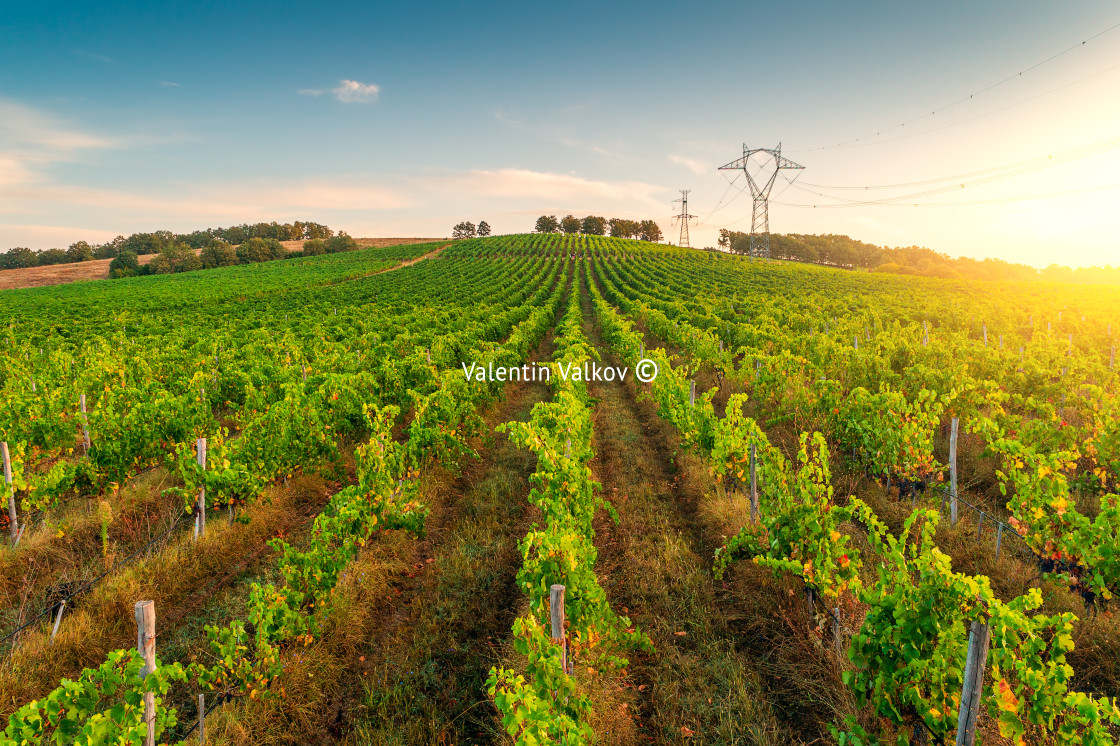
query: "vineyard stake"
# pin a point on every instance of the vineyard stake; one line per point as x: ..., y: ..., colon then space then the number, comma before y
x: 836, y: 632
x: 978, y: 639
x: 556, y: 613
x: 953, y: 471
x: 202, y: 718
x: 303, y: 367
x: 754, y: 486
x: 980, y: 524
x: 999, y: 538
x: 1112, y: 358
x: 11, y: 492
x: 985, y: 327
x: 200, y: 519
x: 692, y: 393
x: 146, y: 645
x: 57, y: 620
x: 1001, y: 341
x: 855, y: 342
x: 85, y: 422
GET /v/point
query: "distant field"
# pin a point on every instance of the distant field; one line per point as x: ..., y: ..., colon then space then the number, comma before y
x: 98, y: 269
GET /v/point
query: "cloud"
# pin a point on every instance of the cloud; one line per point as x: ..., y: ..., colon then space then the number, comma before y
x: 95, y: 56
x: 564, y: 191
x: 169, y: 84
x: 351, y: 92
x: 41, y: 134
x: 691, y: 164
x: 348, y: 92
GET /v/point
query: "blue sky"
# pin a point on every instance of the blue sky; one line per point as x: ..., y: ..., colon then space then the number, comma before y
x: 402, y: 119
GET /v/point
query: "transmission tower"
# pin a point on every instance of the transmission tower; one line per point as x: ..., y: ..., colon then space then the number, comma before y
x: 684, y: 217
x: 761, y: 184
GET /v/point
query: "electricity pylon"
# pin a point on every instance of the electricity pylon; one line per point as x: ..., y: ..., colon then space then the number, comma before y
x: 760, y: 191
x: 684, y: 217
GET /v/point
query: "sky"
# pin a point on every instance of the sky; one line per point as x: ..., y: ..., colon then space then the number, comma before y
x: 403, y: 119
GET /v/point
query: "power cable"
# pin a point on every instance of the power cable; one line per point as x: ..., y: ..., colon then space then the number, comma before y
x: 962, y: 99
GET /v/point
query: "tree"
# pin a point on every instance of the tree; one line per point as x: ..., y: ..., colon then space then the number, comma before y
x: 125, y: 264
x: 19, y: 258
x: 570, y: 224
x: 594, y: 225
x: 109, y: 249
x: 143, y: 243
x: 547, y: 224
x: 52, y: 256
x: 79, y: 251
x: 484, y: 228
x: 340, y: 243
x: 314, y: 247
x: 463, y: 230
x: 257, y: 250
x: 649, y: 230
x: 217, y: 253
x: 175, y: 257
x: 622, y: 228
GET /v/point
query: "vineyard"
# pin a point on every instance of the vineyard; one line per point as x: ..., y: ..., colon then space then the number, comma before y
x: 849, y: 508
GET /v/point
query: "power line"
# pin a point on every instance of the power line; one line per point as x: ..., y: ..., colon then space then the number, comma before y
x: 963, y: 99
x: 985, y: 176
x: 969, y: 203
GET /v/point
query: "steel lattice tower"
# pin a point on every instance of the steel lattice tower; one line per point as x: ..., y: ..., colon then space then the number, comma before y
x: 684, y: 217
x: 760, y: 191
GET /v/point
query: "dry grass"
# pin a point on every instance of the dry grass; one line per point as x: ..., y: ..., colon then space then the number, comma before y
x: 178, y: 578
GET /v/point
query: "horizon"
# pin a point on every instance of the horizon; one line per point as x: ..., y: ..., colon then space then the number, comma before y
x: 125, y: 120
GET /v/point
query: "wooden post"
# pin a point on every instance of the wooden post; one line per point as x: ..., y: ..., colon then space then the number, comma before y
x: 978, y: 639
x: 428, y: 354
x: 57, y: 620
x: 925, y: 334
x: 953, y: 471
x: 836, y: 634
x: 11, y: 492
x: 202, y: 718
x: 200, y: 519
x: 303, y: 367
x: 855, y: 342
x: 980, y: 524
x: 999, y: 538
x: 641, y: 348
x: 1001, y: 341
x: 146, y: 645
x: 754, y: 485
x: 556, y: 613
x: 692, y: 393
x: 1112, y: 358
x: 985, y: 328
x: 85, y: 422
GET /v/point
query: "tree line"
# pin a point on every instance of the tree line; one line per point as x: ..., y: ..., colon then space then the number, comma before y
x: 467, y: 229
x: 596, y: 225
x: 179, y: 256
x: 848, y: 253
x: 142, y: 244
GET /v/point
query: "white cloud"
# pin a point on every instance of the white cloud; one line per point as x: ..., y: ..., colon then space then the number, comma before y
x: 40, y: 134
x: 562, y: 191
x: 691, y: 164
x: 169, y: 84
x: 347, y: 91
x: 351, y: 92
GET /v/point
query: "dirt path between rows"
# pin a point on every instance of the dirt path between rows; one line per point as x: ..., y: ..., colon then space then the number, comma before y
x: 427, y: 667
x: 698, y: 686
